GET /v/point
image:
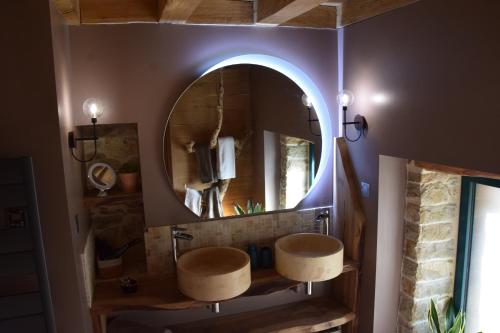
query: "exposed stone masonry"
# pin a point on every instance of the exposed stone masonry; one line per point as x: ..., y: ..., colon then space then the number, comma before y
x: 119, y: 222
x: 431, y: 224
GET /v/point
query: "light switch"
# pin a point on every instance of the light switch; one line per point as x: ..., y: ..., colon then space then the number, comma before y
x: 365, y: 190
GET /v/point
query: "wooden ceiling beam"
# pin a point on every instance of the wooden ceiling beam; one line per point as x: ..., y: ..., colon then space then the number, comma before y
x: 321, y: 17
x: 328, y: 14
x: 176, y: 11
x: 70, y: 10
x: 280, y: 11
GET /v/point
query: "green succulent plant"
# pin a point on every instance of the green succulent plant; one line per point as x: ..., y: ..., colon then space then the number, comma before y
x: 454, y: 321
x: 129, y: 167
x: 251, y: 208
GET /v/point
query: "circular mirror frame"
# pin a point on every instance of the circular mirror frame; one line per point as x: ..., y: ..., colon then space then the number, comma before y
x: 300, y: 79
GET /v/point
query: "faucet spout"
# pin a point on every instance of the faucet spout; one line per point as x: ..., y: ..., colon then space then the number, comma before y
x: 324, y: 219
x: 175, y: 234
x: 184, y: 236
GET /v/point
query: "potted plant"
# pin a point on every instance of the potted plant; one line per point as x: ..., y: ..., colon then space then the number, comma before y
x: 129, y: 177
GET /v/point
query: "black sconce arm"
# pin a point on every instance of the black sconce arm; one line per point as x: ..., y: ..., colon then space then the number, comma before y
x: 72, y: 142
x: 311, y: 120
x: 359, y: 123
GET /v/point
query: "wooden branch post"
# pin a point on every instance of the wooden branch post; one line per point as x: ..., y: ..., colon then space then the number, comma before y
x: 220, y: 115
x: 239, y: 144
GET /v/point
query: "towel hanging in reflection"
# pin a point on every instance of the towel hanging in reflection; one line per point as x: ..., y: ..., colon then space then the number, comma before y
x: 213, y: 203
x: 206, y: 165
x: 226, y: 159
x: 193, y: 200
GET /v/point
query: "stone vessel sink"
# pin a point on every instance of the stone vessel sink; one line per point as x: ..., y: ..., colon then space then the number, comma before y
x: 213, y: 274
x: 309, y: 257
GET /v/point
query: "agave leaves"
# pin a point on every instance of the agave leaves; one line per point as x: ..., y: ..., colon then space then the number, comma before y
x: 454, y: 322
x: 238, y: 210
x: 450, y: 316
x: 251, y: 208
x: 433, y: 318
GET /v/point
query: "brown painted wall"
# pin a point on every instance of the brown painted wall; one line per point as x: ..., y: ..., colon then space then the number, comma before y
x: 437, y: 62
x: 140, y: 70
x: 29, y: 126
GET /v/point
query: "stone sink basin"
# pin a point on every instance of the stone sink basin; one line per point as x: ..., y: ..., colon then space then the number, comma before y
x: 213, y: 274
x: 308, y: 257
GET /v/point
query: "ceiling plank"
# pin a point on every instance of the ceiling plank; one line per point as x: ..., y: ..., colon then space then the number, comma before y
x: 69, y: 9
x: 223, y: 12
x: 358, y: 10
x: 176, y: 11
x: 280, y: 11
x: 118, y: 11
x: 322, y: 17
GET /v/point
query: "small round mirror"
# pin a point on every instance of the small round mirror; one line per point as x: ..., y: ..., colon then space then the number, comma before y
x: 102, y: 177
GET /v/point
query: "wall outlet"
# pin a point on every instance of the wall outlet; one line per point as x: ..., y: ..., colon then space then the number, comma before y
x: 365, y: 190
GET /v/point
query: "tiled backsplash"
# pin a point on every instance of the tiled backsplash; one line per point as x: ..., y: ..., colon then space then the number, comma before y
x: 261, y: 230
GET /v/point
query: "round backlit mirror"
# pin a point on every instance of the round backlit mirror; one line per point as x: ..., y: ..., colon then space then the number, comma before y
x: 240, y: 140
x: 102, y: 177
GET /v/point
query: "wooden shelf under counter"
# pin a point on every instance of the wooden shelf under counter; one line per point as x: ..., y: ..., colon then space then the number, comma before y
x: 160, y: 293
x: 314, y: 315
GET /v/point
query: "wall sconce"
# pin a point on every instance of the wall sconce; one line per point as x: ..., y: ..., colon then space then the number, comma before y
x: 308, y: 104
x: 93, y: 108
x: 345, y: 98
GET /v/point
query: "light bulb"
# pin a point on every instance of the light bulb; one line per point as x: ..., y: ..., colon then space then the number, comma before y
x: 306, y: 101
x: 92, y: 107
x: 345, y: 98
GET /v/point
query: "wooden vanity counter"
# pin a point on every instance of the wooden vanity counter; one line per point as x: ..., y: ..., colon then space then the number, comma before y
x: 159, y: 292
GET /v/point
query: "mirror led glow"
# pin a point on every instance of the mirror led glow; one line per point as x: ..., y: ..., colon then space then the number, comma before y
x: 308, y: 87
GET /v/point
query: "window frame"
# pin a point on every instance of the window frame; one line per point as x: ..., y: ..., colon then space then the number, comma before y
x: 465, y: 230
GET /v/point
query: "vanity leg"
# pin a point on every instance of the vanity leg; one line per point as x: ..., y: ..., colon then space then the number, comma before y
x: 104, y: 323
x: 96, y: 324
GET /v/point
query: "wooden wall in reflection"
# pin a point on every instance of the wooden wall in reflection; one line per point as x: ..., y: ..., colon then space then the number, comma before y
x: 195, y: 118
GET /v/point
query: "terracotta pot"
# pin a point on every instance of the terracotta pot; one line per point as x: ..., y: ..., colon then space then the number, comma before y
x: 129, y: 182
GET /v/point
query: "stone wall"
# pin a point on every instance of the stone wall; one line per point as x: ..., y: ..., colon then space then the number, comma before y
x: 431, y: 225
x: 119, y: 221
x: 118, y: 144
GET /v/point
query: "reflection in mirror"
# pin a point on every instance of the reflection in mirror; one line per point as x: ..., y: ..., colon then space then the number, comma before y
x: 238, y: 142
x: 289, y: 167
x: 102, y: 177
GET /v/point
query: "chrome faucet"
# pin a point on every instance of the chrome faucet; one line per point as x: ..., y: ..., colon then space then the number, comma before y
x: 177, y: 233
x: 324, y: 219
